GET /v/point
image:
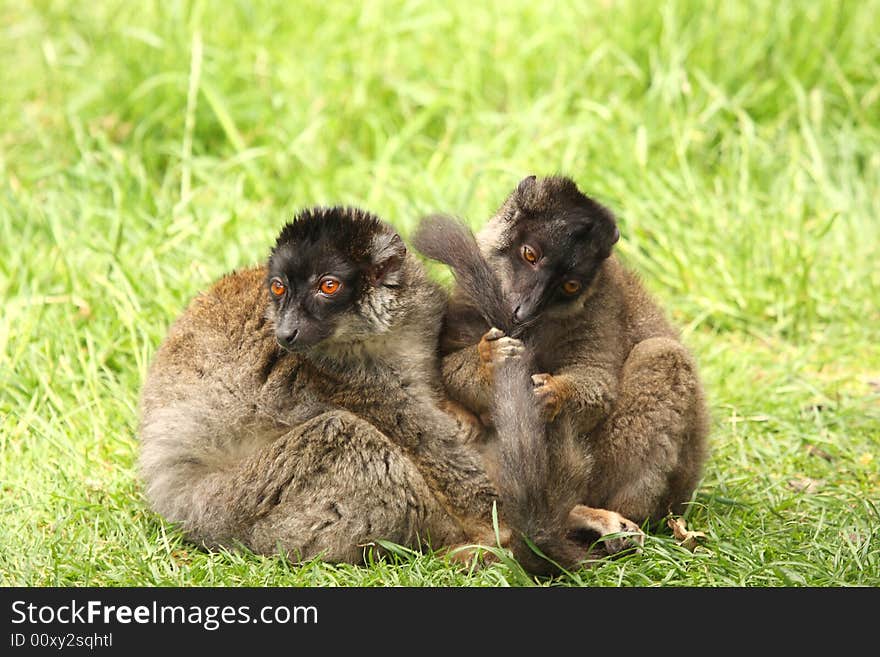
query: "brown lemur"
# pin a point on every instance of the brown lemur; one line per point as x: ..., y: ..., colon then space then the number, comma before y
x: 626, y: 418
x: 296, y: 406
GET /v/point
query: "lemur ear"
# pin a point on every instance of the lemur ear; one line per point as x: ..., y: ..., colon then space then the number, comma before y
x: 599, y: 228
x: 607, y: 234
x: 525, y: 190
x: 387, y: 254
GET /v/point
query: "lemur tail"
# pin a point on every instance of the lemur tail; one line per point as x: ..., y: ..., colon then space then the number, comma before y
x: 535, y: 480
x: 536, y: 499
x: 449, y: 241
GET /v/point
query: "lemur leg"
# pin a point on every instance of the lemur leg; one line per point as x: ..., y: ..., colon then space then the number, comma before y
x: 648, y: 453
x: 334, y: 485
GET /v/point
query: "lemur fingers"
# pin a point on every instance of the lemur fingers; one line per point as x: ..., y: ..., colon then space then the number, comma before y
x: 539, y: 380
x: 495, y: 347
x: 493, y: 334
x: 508, y: 349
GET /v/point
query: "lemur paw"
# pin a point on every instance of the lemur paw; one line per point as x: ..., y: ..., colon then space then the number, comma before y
x: 471, y: 557
x: 550, y: 393
x: 588, y: 526
x: 508, y: 349
x: 495, y: 347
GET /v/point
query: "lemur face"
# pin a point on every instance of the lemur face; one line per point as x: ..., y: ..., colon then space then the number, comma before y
x: 327, y: 274
x: 554, y: 241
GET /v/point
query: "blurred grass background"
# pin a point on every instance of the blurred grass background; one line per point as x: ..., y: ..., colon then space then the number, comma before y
x: 146, y: 148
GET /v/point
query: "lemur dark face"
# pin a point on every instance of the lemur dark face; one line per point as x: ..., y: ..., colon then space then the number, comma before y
x: 332, y: 276
x: 554, y: 241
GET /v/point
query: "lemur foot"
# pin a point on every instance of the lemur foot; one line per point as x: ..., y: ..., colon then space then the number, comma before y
x: 481, y: 540
x: 588, y: 526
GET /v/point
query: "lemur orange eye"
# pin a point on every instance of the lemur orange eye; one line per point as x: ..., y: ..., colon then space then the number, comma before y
x: 330, y: 285
x: 571, y: 287
x: 277, y: 287
x: 529, y: 254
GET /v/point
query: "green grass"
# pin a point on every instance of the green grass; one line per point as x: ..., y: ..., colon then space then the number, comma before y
x: 146, y: 148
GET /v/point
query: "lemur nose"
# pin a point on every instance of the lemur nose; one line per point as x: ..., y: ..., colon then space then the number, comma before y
x: 287, y: 339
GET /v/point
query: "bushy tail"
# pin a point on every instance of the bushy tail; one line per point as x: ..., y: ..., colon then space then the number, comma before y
x: 537, y: 480
x: 449, y: 241
x: 534, y: 480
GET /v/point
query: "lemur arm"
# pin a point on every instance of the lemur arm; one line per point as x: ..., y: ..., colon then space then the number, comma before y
x: 585, y: 392
x: 468, y: 380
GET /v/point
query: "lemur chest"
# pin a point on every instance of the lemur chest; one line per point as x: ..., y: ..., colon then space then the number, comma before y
x: 378, y: 389
x: 555, y: 349
x: 386, y: 389
x: 557, y: 346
